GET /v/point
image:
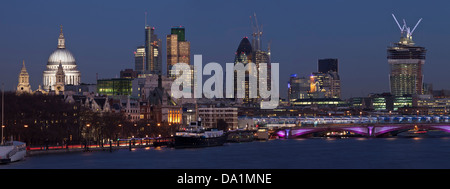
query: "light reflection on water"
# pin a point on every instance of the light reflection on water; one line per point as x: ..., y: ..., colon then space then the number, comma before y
x: 309, y: 153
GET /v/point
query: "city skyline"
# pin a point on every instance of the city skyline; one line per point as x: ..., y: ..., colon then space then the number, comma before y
x: 104, y: 37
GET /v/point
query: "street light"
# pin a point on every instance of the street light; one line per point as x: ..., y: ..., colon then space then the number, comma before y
x: 86, y: 148
x: 3, y: 126
x: 3, y: 110
x: 120, y: 126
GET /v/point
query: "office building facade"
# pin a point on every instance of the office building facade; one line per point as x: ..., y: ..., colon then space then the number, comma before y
x: 114, y: 87
x: 298, y: 88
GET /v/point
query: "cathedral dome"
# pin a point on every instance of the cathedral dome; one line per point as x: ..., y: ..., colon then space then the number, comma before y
x: 61, y: 55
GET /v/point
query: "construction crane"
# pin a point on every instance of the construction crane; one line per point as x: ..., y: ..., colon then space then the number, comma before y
x: 405, y: 27
x: 257, y: 33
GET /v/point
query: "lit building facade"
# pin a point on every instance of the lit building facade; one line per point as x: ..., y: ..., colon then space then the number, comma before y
x: 327, y: 83
x: 211, y: 115
x: 433, y: 105
x: 114, y: 87
x: 382, y: 102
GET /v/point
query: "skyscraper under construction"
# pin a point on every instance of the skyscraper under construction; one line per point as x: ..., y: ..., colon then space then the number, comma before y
x: 406, y: 64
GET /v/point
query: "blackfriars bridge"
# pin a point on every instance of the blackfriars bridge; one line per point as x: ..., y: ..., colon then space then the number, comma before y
x: 374, y: 130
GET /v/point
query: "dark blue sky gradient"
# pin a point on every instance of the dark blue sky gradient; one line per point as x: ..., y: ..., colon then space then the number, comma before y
x: 102, y: 35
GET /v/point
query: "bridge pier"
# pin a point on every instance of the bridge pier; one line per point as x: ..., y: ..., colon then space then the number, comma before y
x: 370, y: 131
x: 287, y: 133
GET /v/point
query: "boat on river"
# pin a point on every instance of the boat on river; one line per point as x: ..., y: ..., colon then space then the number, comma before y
x: 12, y: 151
x: 195, y: 136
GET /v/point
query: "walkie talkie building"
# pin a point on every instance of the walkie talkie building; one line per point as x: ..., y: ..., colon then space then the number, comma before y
x: 406, y: 64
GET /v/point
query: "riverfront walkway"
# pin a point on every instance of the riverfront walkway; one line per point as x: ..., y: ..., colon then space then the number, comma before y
x: 130, y: 144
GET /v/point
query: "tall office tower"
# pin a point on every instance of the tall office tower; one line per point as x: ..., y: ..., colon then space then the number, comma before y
x: 139, y: 59
x: 178, y: 49
x: 172, y: 52
x: 297, y: 88
x: 153, y: 58
x: 406, y: 63
x: 327, y: 65
x: 244, y: 55
x: 24, y: 81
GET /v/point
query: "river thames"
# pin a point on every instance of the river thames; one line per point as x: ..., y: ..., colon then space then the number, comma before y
x: 310, y: 153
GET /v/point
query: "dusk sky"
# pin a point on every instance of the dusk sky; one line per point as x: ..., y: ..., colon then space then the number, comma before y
x: 102, y: 36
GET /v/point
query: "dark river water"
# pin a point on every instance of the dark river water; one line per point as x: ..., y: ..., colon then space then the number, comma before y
x: 311, y: 153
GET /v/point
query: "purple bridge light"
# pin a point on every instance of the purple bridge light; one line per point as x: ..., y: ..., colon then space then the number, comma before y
x: 370, y: 131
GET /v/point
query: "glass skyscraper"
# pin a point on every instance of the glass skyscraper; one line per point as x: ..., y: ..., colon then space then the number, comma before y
x: 244, y: 55
x: 153, y: 58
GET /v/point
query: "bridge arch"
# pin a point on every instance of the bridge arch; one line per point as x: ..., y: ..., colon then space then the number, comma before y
x: 369, y: 131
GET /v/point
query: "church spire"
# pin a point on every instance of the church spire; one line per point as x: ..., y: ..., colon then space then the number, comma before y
x: 24, y: 70
x: 61, y: 40
x: 60, y: 80
x: 24, y: 81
